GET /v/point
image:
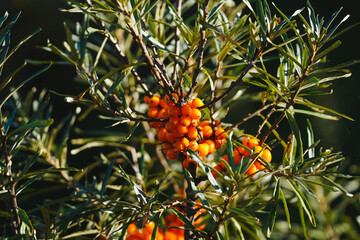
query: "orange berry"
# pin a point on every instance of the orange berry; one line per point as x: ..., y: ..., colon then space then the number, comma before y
x: 181, y: 144
x: 175, y: 96
x: 207, y: 131
x: 185, y: 163
x: 203, y: 149
x: 154, y: 101
x: 174, y: 120
x: 160, y: 113
x: 211, y: 145
x: 195, y: 122
x: 166, y: 147
x: 174, y: 111
x: 257, y: 149
x: 172, y: 154
x: 181, y: 129
x: 165, y: 114
x: 237, y: 157
x: 170, y: 137
x: 204, y: 123
x: 217, y: 168
x: 192, y: 132
x: 259, y: 165
x: 152, y: 112
x: 147, y: 101
x: 252, y: 143
x: 266, y: 154
x: 196, y: 114
x: 216, y: 122
x: 245, y: 142
x: 219, y: 142
x: 131, y: 228
x: 163, y: 103
x: 252, y: 169
x: 184, y: 120
x: 197, y: 102
x: 220, y: 133
x: 225, y: 157
x: 169, y: 126
x: 193, y: 145
x: 162, y: 134
x: 186, y: 110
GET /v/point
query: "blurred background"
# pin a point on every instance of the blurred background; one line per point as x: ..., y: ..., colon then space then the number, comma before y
x: 342, y: 135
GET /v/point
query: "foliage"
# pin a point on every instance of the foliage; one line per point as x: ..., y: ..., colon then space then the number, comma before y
x: 126, y: 51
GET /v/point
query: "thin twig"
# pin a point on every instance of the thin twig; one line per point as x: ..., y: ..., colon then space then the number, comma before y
x: 202, y: 43
x: 13, y: 206
x: 177, y: 46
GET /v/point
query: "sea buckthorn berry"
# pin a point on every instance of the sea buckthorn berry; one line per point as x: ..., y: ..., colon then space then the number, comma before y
x: 172, y: 154
x: 185, y: 163
x: 217, y: 168
x: 204, y: 123
x: 147, y: 101
x: 160, y: 113
x: 174, y: 120
x: 242, y: 150
x: 152, y: 112
x: 216, y: 122
x: 237, y: 157
x: 193, y: 145
x: 196, y: 114
x: 197, y: 102
x: 245, y: 142
x: 220, y: 133
x: 166, y: 147
x: 169, y: 126
x: 192, y: 132
x: 154, y: 101
x: 207, y: 131
x: 170, y: 137
x: 225, y: 157
x: 184, y: 120
x: 252, y: 143
x: 163, y: 103
x: 174, y: 111
x: 219, y: 142
x: 186, y: 110
x: 266, y: 154
x: 252, y: 169
x: 203, y: 149
x: 175, y: 96
x: 257, y: 149
x: 182, y: 130
x: 165, y: 114
x: 162, y: 134
x: 259, y: 165
x: 211, y: 145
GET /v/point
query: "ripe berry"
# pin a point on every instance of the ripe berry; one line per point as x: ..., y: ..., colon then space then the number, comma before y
x: 154, y: 101
x: 252, y: 143
x: 225, y: 157
x: 152, y: 112
x: 204, y: 123
x: 211, y: 145
x: 266, y: 154
x: 147, y: 99
x: 252, y: 169
x: 166, y: 147
x: 192, y: 132
x: 207, y: 131
x: 259, y: 165
x: 172, y: 154
x: 160, y: 113
x: 220, y: 133
x: 186, y: 110
x: 162, y: 134
x: 182, y: 130
x: 163, y: 103
x: 203, y: 149
x: 193, y: 145
x: 184, y: 120
x: 217, y: 168
x: 197, y: 102
x: 174, y: 111
x: 196, y: 114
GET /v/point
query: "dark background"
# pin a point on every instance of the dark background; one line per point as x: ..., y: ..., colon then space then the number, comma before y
x: 342, y: 135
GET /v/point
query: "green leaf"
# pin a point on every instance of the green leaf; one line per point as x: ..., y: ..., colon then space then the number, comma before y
x: 295, y: 129
x: 215, y: 9
x: 8, y: 79
x: 255, y: 36
x: 337, y: 186
x: 286, y: 209
x: 106, y: 176
x: 26, y: 225
x: 156, y: 220
x: 310, y: 133
x: 31, y: 125
x: 273, y: 207
x: 303, y: 202
x: 27, y: 183
x: 327, y: 51
x: 186, y: 221
x: 22, y: 84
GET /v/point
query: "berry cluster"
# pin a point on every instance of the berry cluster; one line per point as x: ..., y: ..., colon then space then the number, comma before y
x: 182, y: 128
x: 240, y: 153
x: 171, y: 222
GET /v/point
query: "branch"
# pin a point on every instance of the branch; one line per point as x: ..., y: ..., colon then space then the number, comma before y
x: 13, y: 206
x: 202, y: 43
x: 177, y: 46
